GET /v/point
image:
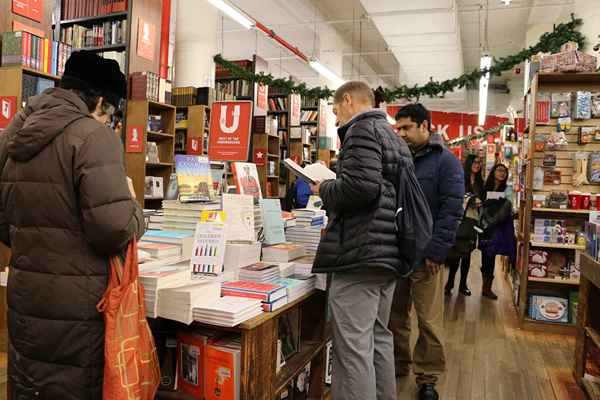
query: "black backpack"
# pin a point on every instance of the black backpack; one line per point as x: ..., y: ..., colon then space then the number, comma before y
x: 414, y: 223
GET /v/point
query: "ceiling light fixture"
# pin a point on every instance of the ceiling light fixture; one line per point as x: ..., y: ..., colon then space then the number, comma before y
x: 485, y: 64
x: 233, y: 13
x: 506, y: 2
x: 326, y: 72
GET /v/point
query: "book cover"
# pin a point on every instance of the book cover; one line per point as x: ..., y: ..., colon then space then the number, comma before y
x: 191, y: 363
x: 209, y: 244
x: 240, y: 217
x: 549, y: 309
x: 263, y: 291
x: 259, y: 266
x: 222, y: 373
x: 246, y: 179
x: 274, y: 226
x: 194, y: 178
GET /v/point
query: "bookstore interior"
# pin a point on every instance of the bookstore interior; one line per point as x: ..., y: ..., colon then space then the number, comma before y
x: 229, y: 108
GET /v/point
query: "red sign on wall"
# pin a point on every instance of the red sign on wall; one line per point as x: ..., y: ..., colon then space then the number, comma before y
x: 134, y: 141
x: 146, y: 39
x: 31, y: 9
x: 194, y: 146
x: 261, y: 100
x: 295, y: 109
x: 453, y: 125
x: 8, y: 109
x: 229, y: 138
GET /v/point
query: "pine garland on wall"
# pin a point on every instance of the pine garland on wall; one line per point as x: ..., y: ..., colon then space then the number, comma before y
x: 549, y: 42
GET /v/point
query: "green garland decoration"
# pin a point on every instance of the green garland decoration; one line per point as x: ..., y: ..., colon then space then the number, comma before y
x: 466, y: 139
x: 550, y: 42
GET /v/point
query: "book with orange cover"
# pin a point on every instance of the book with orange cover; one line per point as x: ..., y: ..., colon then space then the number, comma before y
x: 190, y: 363
x: 223, y: 365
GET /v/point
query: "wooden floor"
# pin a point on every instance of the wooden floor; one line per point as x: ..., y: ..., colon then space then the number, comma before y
x: 489, y: 357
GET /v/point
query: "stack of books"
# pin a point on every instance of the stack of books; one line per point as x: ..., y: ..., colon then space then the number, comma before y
x: 184, y: 216
x: 228, y: 311
x: 260, y: 273
x: 303, y: 267
x: 297, y: 285
x: 183, y: 240
x: 155, y: 220
x: 258, y: 221
x: 272, y: 296
x: 177, y: 303
x: 155, y: 279
x: 308, y: 217
x: 160, y: 250
x: 285, y: 252
x: 98, y: 35
x: 239, y: 254
x: 289, y: 219
x: 307, y: 236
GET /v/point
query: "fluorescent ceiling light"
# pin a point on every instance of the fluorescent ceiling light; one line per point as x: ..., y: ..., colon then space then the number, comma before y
x: 506, y: 2
x: 327, y: 73
x: 233, y: 13
x: 486, y: 63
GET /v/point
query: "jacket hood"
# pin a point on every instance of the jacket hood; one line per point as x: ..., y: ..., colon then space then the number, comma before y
x: 376, y: 114
x: 44, y: 118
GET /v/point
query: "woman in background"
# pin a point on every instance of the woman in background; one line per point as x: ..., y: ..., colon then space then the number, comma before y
x: 474, y: 189
x: 499, y: 231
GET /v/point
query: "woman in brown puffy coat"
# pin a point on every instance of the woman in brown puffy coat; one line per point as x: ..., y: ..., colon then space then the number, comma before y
x: 65, y: 207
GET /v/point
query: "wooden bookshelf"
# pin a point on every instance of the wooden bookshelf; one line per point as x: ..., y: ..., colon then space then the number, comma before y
x: 135, y: 163
x: 588, y: 322
x: 550, y: 83
x: 11, y: 81
x: 195, y: 125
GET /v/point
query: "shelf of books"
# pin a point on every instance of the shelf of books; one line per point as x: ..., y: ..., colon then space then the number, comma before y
x: 560, y: 163
x: 149, y: 149
x: 102, y: 27
x: 191, y: 129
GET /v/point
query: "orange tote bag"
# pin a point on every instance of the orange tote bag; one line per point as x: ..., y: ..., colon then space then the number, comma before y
x: 131, y: 369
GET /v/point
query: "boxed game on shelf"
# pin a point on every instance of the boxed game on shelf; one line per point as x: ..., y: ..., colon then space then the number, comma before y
x: 549, y: 308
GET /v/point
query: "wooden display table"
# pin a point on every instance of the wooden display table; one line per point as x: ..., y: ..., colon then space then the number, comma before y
x: 259, y: 379
x: 588, y: 321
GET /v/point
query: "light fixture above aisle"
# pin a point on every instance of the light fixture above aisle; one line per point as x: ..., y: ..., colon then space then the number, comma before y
x: 233, y: 13
x: 327, y: 73
x: 485, y: 64
x: 506, y: 2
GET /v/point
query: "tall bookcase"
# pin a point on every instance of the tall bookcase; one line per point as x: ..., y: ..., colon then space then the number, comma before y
x: 523, y: 284
x: 12, y: 81
x: 137, y: 167
x: 192, y: 122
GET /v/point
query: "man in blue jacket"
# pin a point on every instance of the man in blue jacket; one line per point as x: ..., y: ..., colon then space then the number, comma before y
x: 441, y: 176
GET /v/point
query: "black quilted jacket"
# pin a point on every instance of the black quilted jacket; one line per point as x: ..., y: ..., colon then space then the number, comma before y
x: 64, y: 207
x: 362, y: 200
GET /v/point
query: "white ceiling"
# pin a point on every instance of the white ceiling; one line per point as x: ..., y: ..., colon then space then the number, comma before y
x: 389, y: 42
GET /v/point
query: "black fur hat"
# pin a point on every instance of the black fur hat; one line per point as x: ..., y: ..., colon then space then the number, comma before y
x: 89, y: 72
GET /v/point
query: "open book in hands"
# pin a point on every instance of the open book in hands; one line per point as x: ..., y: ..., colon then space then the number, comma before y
x: 312, y: 173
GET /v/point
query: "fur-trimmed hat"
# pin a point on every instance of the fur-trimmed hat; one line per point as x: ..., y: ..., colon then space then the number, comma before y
x: 87, y: 71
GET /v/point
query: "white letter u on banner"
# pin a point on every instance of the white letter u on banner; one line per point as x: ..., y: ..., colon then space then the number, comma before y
x: 236, y: 119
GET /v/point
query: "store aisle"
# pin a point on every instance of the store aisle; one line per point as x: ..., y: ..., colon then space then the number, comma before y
x: 489, y: 358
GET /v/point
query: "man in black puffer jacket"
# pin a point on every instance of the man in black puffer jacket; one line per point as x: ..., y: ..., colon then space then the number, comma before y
x: 360, y: 247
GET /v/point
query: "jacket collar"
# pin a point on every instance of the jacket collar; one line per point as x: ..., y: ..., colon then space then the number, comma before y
x: 436, y: 143
x: 376, y: 114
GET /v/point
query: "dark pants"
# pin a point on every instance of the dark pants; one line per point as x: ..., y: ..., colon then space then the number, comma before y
x: 465, y: 265
x: 488, y: 264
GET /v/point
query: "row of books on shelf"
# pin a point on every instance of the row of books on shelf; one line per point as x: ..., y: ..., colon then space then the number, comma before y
x: 71, y: 9
x: 189, y: 96
x: 98, y: 35
x: 309, y: 116
x: 149, y: 86
x: 278, y: 103
x: 230, y: 90
x: 309, y: 102
x: 45, y: 55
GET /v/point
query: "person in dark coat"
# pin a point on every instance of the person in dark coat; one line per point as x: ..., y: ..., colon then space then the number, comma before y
x: 360, y: 247
x: 474, y: 189
x: 65, y: 208
x: 441, y: 177
x: 499, y: 239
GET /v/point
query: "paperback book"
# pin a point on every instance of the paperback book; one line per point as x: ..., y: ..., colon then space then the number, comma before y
x: 273, y: 225
x: 209, y: 244
x: 239, y: 209
x: 194, y: 178
x: 246, y: 179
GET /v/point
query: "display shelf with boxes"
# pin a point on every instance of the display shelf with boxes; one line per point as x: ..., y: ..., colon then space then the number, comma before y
x: 149, y: 149
x: 561, y: 171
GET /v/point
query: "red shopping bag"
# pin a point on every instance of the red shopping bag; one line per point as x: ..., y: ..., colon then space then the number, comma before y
x: 131, y: 369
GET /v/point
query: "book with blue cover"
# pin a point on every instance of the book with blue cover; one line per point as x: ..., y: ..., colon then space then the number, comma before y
x: 194, y: 178
x: 274, y: 226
